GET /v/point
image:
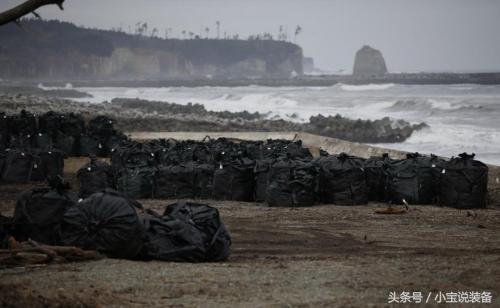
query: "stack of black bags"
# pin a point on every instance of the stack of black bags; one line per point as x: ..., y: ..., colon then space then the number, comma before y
x: 32, y: 148
x: 117, y: 226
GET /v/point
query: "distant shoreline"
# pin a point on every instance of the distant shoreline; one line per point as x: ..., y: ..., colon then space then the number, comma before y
x: 303, y: 81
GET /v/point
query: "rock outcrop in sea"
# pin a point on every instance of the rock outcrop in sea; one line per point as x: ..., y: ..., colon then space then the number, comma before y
x: 369, y: 62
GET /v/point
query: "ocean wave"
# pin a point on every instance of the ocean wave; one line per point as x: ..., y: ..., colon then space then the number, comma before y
x: 367, y: 87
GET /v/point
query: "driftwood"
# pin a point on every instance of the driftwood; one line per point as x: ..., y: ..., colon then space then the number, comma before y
x: 30, y: 253
x: 25, y: 8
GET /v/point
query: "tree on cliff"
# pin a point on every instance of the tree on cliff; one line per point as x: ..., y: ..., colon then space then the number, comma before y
x: 25, y: 8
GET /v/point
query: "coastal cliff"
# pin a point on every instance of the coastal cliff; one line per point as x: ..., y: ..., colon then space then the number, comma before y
x: 54, y: 50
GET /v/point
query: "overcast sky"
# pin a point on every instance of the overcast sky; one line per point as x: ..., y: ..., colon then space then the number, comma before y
x: 413, y: 35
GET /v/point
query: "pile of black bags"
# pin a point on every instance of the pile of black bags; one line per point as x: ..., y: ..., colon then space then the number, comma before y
x: 117, y: 226
x: 65, y: 132
x: 283, y: 173
x: 32, y: 148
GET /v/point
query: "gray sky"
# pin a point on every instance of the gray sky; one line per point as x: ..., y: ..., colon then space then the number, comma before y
x: 413, y: 35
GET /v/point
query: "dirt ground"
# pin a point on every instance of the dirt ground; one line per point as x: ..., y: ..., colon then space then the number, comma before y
x: 323, y: 256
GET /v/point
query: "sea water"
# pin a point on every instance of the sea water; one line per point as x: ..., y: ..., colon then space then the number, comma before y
x: 462, y: 118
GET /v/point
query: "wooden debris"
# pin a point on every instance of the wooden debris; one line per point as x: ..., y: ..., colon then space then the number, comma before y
x: 30, y: 253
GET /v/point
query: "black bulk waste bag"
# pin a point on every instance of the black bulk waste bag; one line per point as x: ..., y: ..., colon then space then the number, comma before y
x: 94, y: 177
x: 262, y: 173
x: 464, y: 183
x: 89, y: 146
x: 111, y: 143
x: 107, y: 222
x: 18, y: 166
x: 4, y: 124
x: 208, y: 221
x: 24, y: 123
x: 170, y: 239
x: 342, y: 180
x: 133, y: 155
x: 21, y: 141
x: 203, y: 183
x: 136, y: 183
x: 49, y: 123
x: 47, y: 163
x: 376, y: 177
x: 101, y: 126
x: 72, y: 124
x: 414, y: 179
x: 175, y: 181
x: 39, y: 212
x: 42, y: 141
x: 66, y: 143
x: 293, y: 183
x: 234, y: 180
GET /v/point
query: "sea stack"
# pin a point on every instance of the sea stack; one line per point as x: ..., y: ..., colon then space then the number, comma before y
x: 369, y: 62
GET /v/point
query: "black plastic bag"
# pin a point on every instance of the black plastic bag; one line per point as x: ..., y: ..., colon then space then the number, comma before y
x: 72, y: 124
x: 262, y: 173
x: 414, y: 180
x: 101, y: 126
x: 18, y: 166
x: 170, y: 239
x: 24, y: 123
x: 89, y: 146
x: 464, y: 183
x: 203, y: 183
x: 39, y: 212
x: 175, y: 181
x: 342, y: 180
x: 376, y: 177
x: 49, y: 123
x: 208, y: 221
x: 107, y: 222
x: 136, y: 183
x: 94, y: 177
x: 234, y: 180
x: 66, y: 143
x: 293, y: 183
x: 48, y: 163
x: 42, y: 141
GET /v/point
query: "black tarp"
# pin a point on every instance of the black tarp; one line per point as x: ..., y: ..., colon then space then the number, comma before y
x: 464, y: 183
x: 107, y: 222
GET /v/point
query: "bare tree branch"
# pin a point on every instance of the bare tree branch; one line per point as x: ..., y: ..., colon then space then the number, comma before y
x: 25, y: 8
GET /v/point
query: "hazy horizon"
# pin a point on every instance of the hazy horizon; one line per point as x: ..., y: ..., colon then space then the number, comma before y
x: 426, y: 35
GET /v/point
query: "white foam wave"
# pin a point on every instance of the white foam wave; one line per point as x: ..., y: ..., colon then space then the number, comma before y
x: 368, y: 87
